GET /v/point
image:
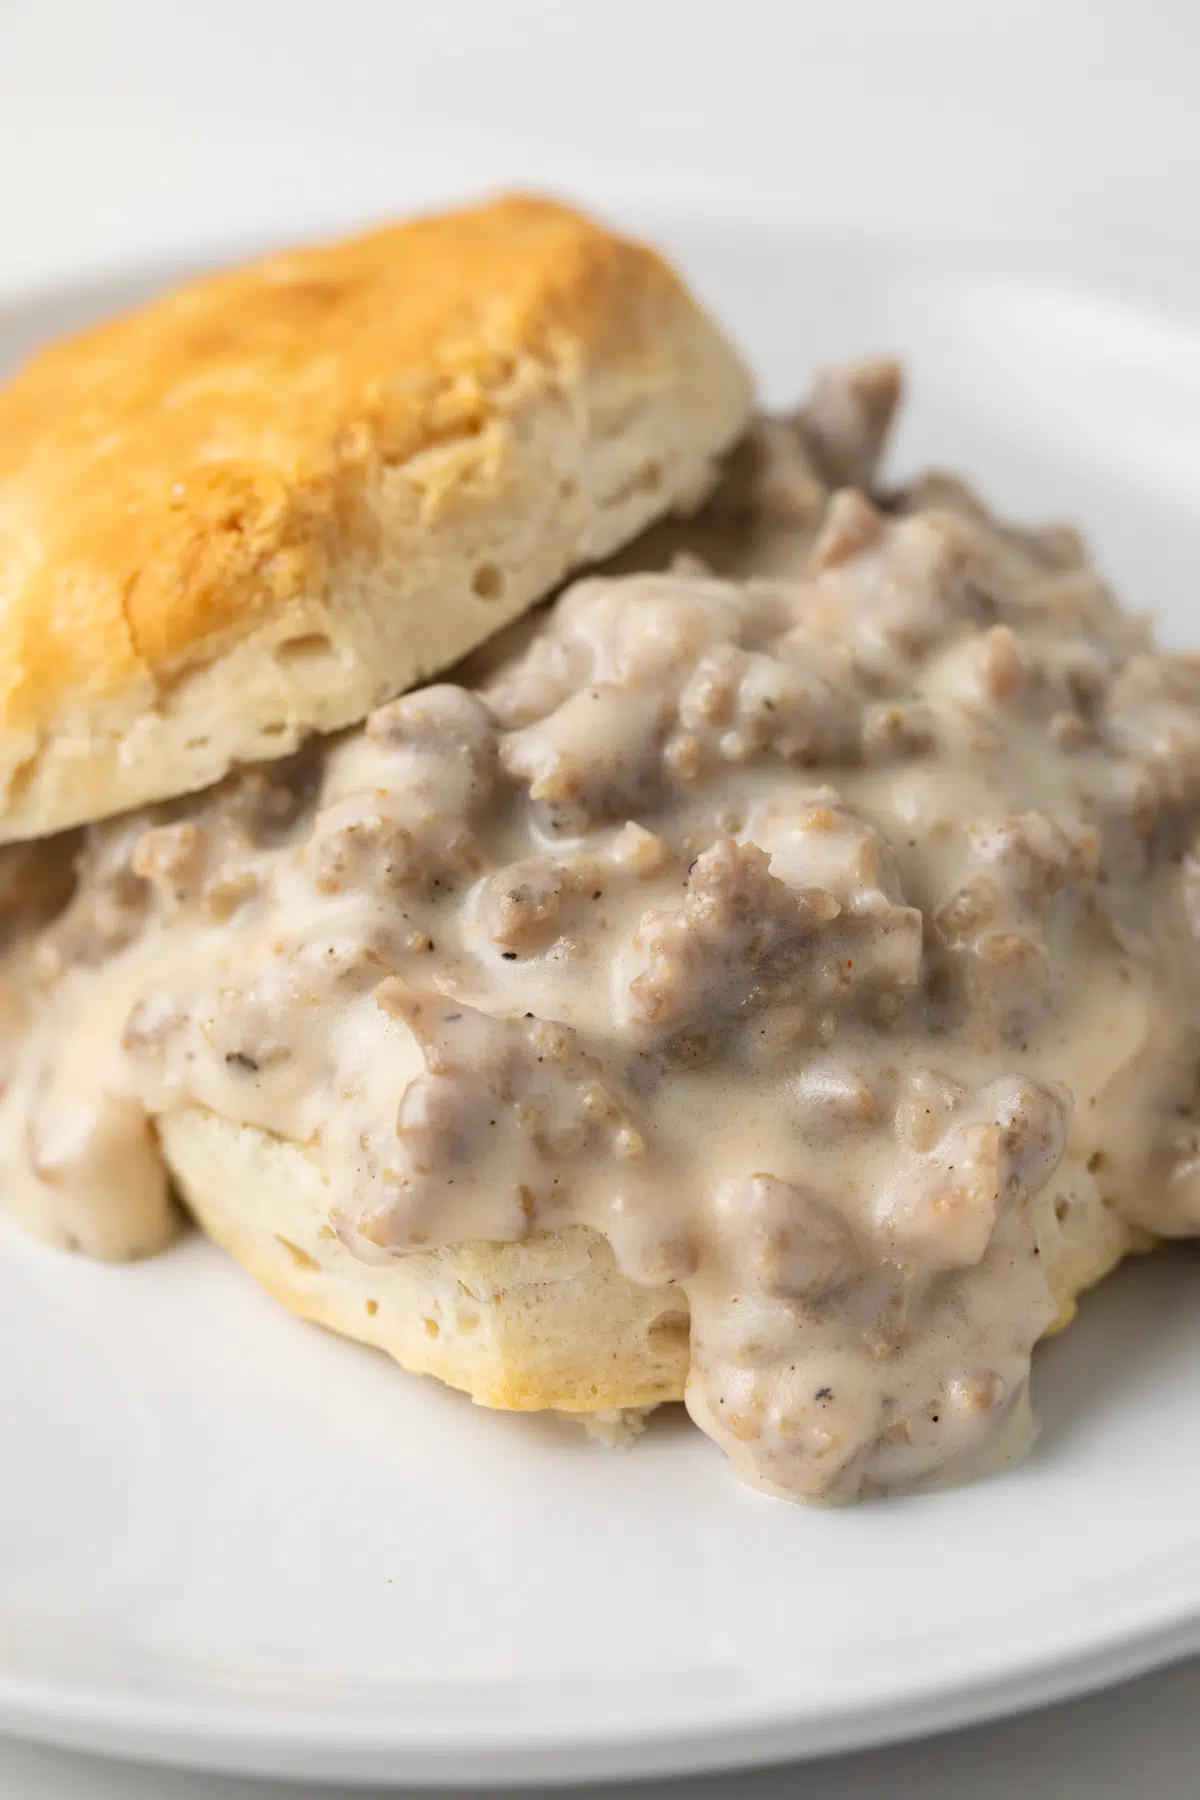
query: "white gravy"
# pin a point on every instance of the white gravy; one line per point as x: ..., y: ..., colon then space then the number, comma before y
x: 819, y: 930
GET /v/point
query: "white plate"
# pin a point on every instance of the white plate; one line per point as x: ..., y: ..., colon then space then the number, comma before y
x: 231, y: 1541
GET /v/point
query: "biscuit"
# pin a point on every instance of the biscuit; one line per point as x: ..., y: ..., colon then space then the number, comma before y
x: 257, y: 506
x: 549, y: 1322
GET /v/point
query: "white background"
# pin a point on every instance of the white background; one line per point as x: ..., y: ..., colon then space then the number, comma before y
x: 1043, y: 134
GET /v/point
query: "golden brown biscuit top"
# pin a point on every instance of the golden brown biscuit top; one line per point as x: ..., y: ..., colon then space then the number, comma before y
x: 171, y: 473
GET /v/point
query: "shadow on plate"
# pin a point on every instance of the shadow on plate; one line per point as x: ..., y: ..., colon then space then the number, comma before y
x: 1124, y: 1341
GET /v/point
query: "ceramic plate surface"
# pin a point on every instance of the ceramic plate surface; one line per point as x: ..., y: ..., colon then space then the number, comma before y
x: 229, y: 1540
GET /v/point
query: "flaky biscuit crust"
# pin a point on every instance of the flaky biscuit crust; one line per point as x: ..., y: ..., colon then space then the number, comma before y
x: 258, y: 505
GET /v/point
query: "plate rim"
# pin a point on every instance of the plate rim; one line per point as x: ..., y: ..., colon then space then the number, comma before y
x: 179, y: 1734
